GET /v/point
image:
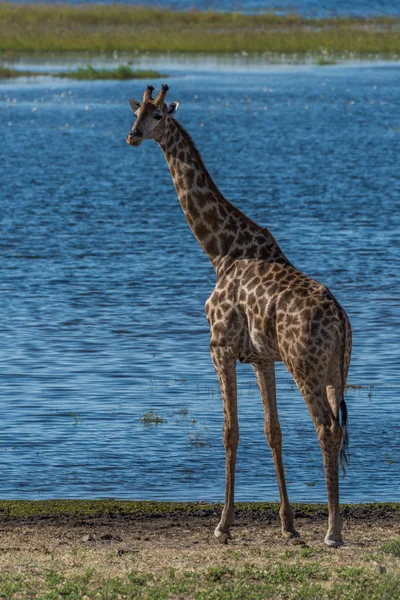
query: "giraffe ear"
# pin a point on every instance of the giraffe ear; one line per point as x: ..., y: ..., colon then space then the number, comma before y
x: 134, y: 104
x: 172, y: 108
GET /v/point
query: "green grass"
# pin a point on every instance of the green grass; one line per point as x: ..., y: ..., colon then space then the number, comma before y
x: 109, y: 506
x: 300, y: 581
x: 121, y: 72
x: 9, y: 73
x: 86, y: 73
x: 323, y: 61
x: 52, y: 562
x: 108, y: 28
x: 392, y: 547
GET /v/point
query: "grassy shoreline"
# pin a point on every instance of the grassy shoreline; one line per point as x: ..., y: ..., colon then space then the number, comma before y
x: 124, y: 28
x: 88, y: 73
x: 113, y: 550
x: 14, y: 509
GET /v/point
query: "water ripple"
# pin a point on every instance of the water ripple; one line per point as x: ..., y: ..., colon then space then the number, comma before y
x: 103, y: 285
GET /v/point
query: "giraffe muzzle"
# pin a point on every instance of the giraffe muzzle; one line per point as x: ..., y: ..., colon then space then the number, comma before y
x: 134, y: 139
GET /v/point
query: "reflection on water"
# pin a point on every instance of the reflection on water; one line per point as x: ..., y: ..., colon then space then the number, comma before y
x: 103, y: 285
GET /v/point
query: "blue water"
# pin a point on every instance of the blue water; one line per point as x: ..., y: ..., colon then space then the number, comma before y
x: 307, y: 8
x: 103, y: 285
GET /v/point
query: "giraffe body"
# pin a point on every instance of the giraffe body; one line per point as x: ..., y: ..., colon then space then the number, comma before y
x: 270, y: 311
x: 262, y: 310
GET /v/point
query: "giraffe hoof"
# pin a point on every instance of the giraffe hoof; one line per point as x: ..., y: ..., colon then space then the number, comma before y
x: 222, y: 536
x: 290, y: 535
x: 333, y: 543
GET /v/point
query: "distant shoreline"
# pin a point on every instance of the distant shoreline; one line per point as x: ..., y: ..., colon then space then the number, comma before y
x: 124, y: 28
x: 86, y: 74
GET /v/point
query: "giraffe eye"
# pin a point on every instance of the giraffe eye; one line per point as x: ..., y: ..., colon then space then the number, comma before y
x: 157, y: 117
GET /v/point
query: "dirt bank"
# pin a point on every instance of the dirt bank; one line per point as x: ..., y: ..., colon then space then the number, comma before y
x: 162, y: 554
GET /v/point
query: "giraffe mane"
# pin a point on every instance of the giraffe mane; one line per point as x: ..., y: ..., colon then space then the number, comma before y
x: 188, y: 138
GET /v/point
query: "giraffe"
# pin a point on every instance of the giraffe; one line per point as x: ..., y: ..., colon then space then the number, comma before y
x: 262, y: 310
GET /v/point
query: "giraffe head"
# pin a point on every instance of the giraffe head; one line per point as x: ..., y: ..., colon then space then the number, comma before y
x: 151, y: 115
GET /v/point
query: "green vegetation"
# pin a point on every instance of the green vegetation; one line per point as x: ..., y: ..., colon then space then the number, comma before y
x: 197, y: 440
x: 110, y: 507
x: 151, y: 418
x: 109, y: 28
x: 121, y: 72
x: 322, y: 61
x: 9, y: 73
x: 279, y: 579
x: 392, y: 547
x: 76, y: 420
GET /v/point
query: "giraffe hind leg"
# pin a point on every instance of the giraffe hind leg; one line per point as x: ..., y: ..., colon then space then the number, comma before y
x: 322, y: 404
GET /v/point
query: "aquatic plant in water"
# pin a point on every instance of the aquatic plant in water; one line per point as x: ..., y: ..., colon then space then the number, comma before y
x: 152, y: 418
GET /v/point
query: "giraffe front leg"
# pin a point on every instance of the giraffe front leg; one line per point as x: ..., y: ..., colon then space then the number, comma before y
x: 266, y: 382
x: 225, y: 366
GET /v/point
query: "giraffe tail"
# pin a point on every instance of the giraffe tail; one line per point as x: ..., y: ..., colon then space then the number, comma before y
x: 344, y: 457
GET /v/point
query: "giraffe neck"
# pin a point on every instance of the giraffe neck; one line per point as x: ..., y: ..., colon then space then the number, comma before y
x: 223, y: 231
